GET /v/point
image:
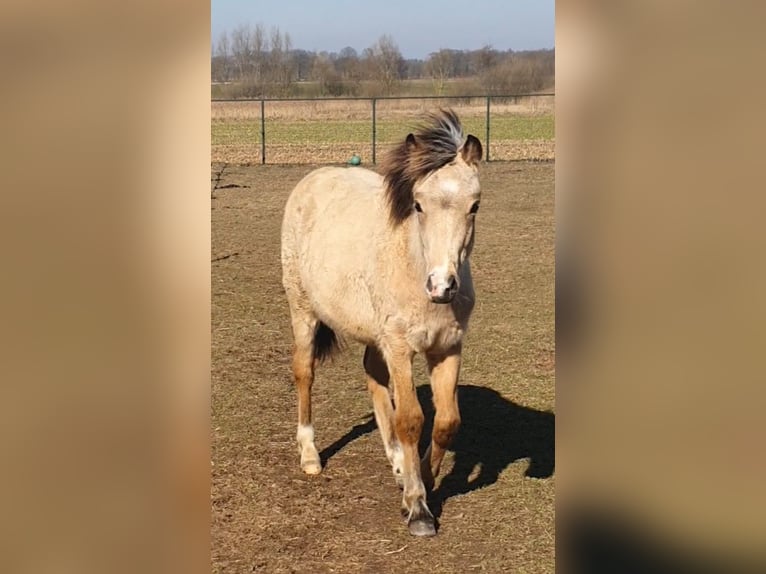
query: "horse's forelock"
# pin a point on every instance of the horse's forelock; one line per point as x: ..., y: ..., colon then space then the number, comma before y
x: 436, y: 143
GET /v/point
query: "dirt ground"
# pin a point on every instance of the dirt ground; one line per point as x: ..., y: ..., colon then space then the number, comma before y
x: 494, y: 498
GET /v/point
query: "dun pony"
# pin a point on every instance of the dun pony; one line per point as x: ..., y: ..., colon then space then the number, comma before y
x: 383, y: 259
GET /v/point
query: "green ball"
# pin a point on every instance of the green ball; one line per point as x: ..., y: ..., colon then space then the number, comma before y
x: 355, y: 160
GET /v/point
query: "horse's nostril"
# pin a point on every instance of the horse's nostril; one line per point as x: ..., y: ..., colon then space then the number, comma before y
x: 429, y: 284
x: 452, y: 283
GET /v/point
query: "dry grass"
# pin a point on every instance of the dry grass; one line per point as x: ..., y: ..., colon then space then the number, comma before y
x: 268, y: 517
x: 313, y: 110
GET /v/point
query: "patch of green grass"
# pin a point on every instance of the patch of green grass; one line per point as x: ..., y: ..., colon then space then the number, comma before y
x: 522, y: 127
x: 235, y: 132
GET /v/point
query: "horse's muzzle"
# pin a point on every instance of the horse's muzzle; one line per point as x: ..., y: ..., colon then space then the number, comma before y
x: 441, y: 291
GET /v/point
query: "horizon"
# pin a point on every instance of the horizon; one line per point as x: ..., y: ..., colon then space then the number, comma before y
x: 524, y: 25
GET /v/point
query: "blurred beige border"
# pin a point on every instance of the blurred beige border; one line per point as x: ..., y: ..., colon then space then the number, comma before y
x: 660, y: 121
x: 106, y: 289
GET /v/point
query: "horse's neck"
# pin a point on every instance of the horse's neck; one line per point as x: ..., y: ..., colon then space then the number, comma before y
x: 408, y: 248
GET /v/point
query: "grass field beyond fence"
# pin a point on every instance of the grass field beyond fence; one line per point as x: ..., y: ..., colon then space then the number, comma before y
x: 330, y: 131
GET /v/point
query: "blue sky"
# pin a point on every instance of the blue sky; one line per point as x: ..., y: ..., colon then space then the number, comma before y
x: 418, y: 26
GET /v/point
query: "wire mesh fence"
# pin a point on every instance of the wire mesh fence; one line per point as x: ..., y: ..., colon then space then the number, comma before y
x: 326, y: 131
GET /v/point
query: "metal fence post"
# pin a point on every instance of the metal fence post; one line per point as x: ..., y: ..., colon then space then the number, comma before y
x: 487, y: 152
x: 263, y: 133
x: 373, y: 129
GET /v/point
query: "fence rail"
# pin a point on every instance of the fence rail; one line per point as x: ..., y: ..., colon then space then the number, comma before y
x: 326, y: 130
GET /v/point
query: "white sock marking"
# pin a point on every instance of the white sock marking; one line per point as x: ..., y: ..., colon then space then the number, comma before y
x: 305, y: 434
x: 397, y: 459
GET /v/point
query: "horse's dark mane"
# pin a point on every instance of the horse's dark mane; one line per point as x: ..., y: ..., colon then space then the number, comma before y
x: 433, y: 145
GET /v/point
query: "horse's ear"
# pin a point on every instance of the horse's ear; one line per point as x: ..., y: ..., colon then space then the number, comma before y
x: 410, y: 143
x: 472, y: 151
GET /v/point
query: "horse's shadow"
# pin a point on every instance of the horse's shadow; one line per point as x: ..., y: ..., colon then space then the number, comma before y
x: 494, y: 433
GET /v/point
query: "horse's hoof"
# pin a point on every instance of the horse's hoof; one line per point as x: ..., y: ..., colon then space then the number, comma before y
x: 420, y: 521
x: 311, y: 467
x: 422, y: 527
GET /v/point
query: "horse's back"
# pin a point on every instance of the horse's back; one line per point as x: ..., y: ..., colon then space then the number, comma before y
x: 336, y: 187
x: 331, y: 198
x: 324, y: 179
x: 331, y: 221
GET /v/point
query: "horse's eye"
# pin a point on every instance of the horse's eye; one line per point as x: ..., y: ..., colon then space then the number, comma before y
x: 418, y: 208
x: 475, y: 207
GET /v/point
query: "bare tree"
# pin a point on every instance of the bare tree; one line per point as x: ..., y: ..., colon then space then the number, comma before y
x: 440, y: 67
x: 220, y: 63
x: 247, y: 49
x: 347, y: 63
x: 327, y: 76
x: 303, y: 61
x: 350, y: 69
x: 258, y: 41
x: 348, y: 53
x: 519, y: 73
x: 484, y: 59
x: 242, y: 49
x: 280, y: 63
x: 385, y: 63
x: 265, y: 63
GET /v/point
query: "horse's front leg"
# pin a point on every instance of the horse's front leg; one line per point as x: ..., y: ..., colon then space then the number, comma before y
x: 408, y: 424
x: 444, y: 370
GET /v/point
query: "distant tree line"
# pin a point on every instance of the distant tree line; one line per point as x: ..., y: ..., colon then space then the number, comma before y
x: 264, y: 63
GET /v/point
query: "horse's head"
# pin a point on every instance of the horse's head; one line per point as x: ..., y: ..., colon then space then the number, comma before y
x: 444, y: 210
x: 433, y: 182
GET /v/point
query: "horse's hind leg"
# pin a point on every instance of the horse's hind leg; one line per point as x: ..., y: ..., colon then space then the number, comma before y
x: 304, y: 330
x: 377, y: 383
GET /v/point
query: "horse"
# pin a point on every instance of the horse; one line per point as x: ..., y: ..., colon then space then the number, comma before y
x: 382, y: 259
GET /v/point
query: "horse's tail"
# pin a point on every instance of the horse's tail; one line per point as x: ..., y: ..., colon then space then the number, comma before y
x: 325, y: 342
